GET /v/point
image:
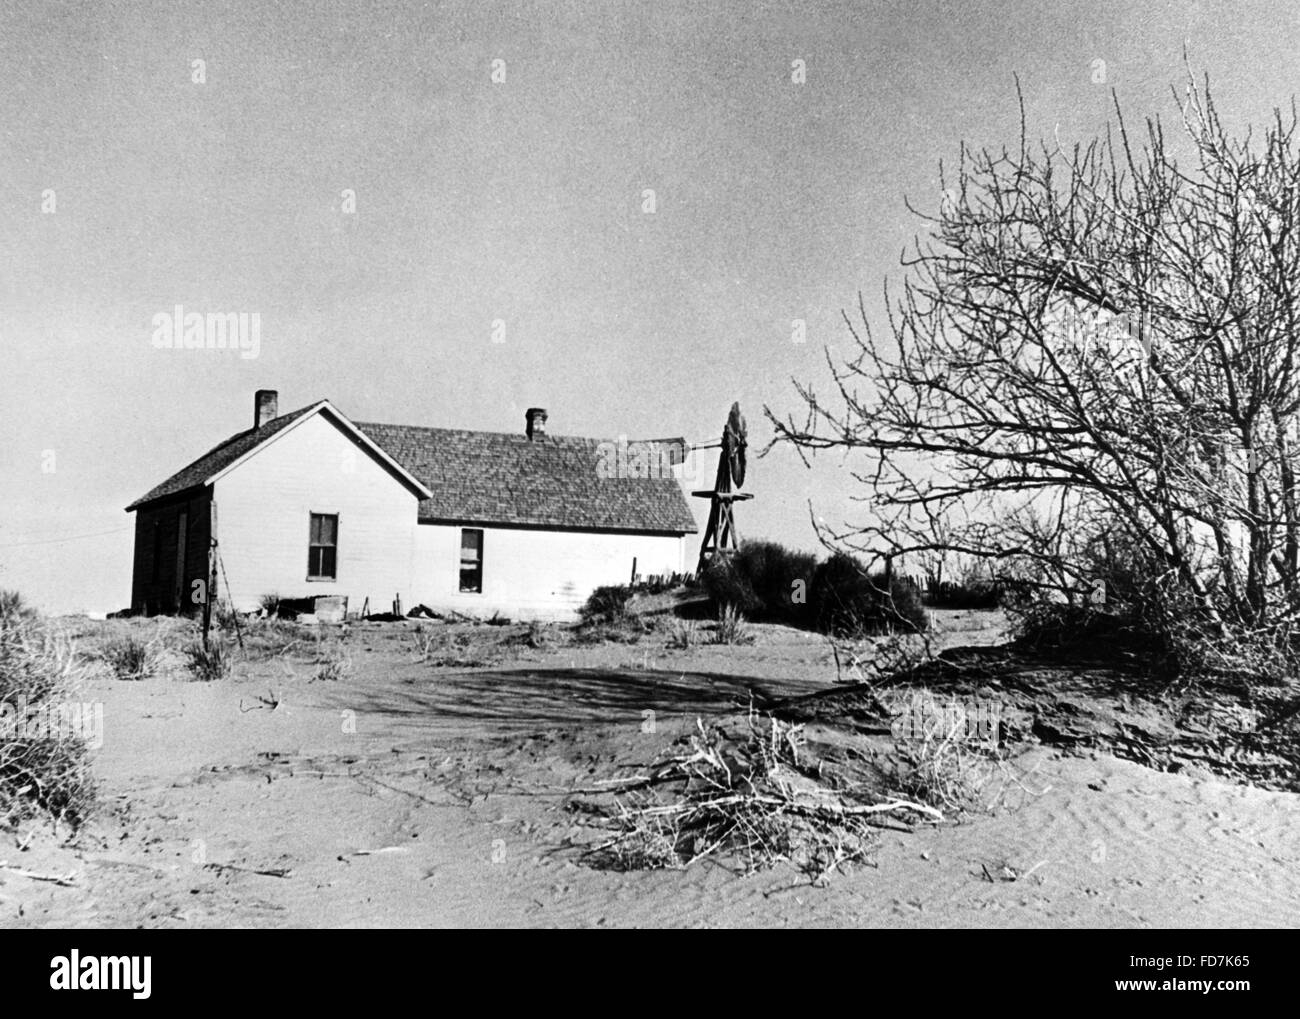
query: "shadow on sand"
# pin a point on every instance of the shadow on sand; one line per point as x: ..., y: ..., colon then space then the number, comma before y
x: 515, y: 699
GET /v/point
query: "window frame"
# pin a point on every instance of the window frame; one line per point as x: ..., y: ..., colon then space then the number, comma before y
x: 322, y: 578
x: 460, y: 561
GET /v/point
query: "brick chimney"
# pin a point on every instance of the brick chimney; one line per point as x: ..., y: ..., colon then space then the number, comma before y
x: 536, y: 418
x: 266, y: 407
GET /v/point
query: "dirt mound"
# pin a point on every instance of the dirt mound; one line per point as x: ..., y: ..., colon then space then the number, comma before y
x: 1100, y: 702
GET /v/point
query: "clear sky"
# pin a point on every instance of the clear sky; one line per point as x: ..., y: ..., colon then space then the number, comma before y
x: 477, y: 200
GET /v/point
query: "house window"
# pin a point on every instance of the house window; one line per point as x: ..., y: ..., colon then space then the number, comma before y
x: 322, y: 550
x: 471, y: 561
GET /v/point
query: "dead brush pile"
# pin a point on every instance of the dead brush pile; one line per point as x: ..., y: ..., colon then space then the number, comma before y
x: 758, y: 801
x: 947, y: 753
x: 44, y: 764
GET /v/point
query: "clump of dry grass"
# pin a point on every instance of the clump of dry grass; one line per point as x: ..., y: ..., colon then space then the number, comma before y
x: 683, y: 634
x: 226, y: 619
x: 131, y: 657
x: 43, y: 767
x: 270, y: 637
x: 758, y: 800
x: 333, y: 663
x: 731, y: 627
x: 211, y: 663
x: 440, y: 648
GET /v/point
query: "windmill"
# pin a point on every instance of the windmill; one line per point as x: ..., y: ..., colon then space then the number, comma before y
x: 720, y: 536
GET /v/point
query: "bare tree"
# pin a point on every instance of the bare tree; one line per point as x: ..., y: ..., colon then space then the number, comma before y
x: 1093, y: 344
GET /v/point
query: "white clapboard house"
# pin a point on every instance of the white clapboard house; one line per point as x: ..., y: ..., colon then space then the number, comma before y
x: 309, y: 503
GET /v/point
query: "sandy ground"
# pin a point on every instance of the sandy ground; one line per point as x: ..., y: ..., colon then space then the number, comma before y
x: 407, y: 795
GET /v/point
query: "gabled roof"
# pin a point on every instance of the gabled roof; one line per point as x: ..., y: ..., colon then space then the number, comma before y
x: 226, y: 455
x: 478, y: 477
x: 507, y: 478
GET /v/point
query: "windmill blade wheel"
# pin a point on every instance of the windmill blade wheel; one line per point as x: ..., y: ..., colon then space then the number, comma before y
x: 735, y: 440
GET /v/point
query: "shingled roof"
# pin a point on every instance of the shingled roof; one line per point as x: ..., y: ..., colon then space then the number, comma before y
x: 547, y: 481
x: 485, y: 477
x: 217, y: 459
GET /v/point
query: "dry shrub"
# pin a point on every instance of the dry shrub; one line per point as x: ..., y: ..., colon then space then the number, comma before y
x: 14, y: 612
x: 1130, y: 607
x: 1241, y: 660
x: 847, y: 600
x: 839, y: 595
x: 762, y: 578
x: 971, y: 593
x: 43, y: 767
x: 868, y: 659
x: 947, y: 752
x: 607, y: 604
x: 32, y: 657
x: 425, y: 643
x: 759, y: 801
x: 1057, y: 626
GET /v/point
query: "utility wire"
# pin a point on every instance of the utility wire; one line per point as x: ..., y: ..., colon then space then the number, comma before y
x: 71, y: 537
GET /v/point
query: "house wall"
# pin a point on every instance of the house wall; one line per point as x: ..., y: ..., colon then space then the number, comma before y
x: 262, y: 509
x: 263, y: 518
x: 535, y: 574
x: 157, y: 535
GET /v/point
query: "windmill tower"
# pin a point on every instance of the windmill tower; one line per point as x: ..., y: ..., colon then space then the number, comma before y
x: 720, y: 536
